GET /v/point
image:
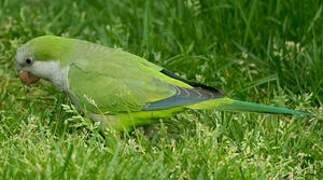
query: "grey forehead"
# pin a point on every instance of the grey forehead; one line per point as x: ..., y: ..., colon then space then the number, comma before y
x: 20, y: 55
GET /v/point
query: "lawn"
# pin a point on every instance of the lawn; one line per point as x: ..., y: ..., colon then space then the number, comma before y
x: 268, y: 52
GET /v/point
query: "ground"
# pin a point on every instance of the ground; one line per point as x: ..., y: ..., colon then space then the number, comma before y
x: 268, y: 52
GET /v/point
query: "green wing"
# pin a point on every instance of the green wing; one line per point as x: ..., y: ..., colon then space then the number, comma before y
x: 111, y: 80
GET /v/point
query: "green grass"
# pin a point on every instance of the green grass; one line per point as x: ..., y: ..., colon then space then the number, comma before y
x: 267, y: 52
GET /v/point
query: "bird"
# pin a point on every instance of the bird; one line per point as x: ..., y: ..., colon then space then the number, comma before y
x: 117, y: 88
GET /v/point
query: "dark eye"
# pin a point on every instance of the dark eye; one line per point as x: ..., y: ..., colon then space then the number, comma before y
x: 28, y: 60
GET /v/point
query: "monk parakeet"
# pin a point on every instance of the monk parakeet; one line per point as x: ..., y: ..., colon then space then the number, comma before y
x: 117, y: 88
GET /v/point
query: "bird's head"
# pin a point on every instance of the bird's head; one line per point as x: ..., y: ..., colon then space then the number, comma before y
x: 40, y: 58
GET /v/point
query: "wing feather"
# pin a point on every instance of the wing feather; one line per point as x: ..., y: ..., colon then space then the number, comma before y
x: 111, y: 80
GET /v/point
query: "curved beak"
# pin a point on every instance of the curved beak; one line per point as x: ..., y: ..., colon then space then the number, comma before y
x: 28, y: 78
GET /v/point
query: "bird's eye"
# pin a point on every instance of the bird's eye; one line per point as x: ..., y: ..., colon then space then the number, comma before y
x: 28, y: 60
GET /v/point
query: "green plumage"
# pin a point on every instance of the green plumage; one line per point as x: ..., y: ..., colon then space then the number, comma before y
x: 124, y: 90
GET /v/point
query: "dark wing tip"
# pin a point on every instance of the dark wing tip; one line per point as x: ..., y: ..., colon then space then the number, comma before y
x: 185, y: 96
x: 201, y: 87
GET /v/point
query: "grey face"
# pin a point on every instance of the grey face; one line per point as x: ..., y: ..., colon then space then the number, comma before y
x: 24, y: 66
x: 23, y: 62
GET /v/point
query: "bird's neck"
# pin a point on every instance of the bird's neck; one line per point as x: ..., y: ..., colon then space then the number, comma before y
x: 52, y: 71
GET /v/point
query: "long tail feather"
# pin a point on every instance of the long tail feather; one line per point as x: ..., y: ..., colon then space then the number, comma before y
x: 253, y: 107
x: 227, y: 104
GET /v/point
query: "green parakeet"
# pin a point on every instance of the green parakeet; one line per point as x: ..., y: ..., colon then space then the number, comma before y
x: 117, y: 88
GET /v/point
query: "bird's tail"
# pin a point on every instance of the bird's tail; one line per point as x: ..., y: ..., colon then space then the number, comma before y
x: 227, y: 104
